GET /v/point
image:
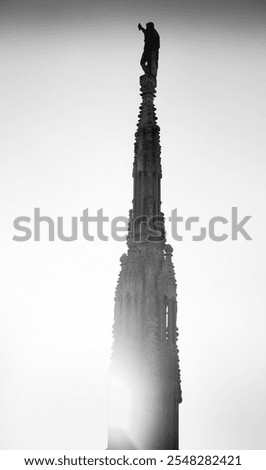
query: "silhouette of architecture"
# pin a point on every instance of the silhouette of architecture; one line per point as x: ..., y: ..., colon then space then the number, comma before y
x: 144, y: 379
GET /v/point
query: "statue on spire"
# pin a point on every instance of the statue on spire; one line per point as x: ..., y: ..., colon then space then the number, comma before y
x: 150, y: 56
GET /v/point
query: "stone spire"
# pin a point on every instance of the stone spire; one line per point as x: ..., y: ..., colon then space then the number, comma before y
x: 147, y: 171
x: 145, y: 355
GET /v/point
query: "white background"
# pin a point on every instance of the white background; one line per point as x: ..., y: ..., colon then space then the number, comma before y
x: 69, y: 105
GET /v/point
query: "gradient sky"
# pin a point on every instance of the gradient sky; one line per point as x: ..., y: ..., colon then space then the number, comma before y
x: 69, y: 106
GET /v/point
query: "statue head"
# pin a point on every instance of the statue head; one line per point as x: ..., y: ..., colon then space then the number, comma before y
x: 150, y: 25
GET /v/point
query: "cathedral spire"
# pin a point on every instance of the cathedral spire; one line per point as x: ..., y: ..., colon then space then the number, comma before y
x: 147, y: 172
x: 145, y: 377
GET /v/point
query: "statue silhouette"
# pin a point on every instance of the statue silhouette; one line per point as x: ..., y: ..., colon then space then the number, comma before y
x: 150, y: 56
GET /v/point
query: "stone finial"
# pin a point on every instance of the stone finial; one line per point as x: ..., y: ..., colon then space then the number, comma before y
x: 168, y: 249
x: 123, y: 259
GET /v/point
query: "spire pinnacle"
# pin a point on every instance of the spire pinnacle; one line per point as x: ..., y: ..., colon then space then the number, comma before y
x: 145, y: 354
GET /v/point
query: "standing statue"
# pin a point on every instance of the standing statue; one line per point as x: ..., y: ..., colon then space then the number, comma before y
x: 150, y: 56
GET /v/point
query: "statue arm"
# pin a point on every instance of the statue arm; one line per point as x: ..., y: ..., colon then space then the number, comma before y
x: 141, y: 28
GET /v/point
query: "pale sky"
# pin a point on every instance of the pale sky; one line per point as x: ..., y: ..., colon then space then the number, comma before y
x: 69, y: 106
